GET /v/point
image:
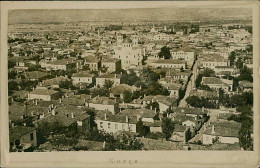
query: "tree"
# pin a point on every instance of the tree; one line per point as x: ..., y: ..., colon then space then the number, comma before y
x: 245, y: 139
x: 194, y: 101
x: 165, y: 53
x: 108, y: 84
x: 11, y: 64
x: 167, y: 127
x: 67, y: 85
x: 245, y: 74
x: 127, y: 97
x: 100, y: 92
x: 232, y: 57
x: 239, y: 63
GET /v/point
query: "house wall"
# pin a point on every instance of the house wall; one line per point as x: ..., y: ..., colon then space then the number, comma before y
x: 111, y: 108
x: 27, y: 138
x: 177, y: 66
x: 76, y: 80
x: 155, y: 129
x: 101, y: 81
x: 207, y: 139
x: 42, y: 97
x: 112, y: 127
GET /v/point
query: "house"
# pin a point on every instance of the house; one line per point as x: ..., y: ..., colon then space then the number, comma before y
x: 245, y: 86
x: 128, y: 51
x: 184, y: 53
x: 154, y: 127
x: 173, y: 88
x: 22, y: 135
x: 104, y: 103
x: 180, y: 134
x: 35, y: 75
x: 178, y: 75
x: 222, y: 131
x: 165, y: 102
x: 115, y: 78
x: 43, y: 94
x: 71, y: 117
x: 82, y: 77
x: 119, y: 90
x: 168, y: 63
x: 52, y: 83
x: 218, y: 83
x: 92, y: 63
x: 112, y: 64
x: 213, y: 60
x: 114, y: 123
x: 144, y: 114
x: 63, y: 64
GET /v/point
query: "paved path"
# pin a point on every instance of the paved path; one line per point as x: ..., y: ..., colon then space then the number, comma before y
x: 190, y: 86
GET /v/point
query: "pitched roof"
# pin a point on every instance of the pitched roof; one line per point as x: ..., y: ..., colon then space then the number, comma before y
x: 169, y: 61
x: 81, y: 74
x: 36, y: 74
x: 44, y: 92
x: 91, y: 59
x: 120, y: 89
x: 224, y: 128
x: 103, y: 100
x: 245, y: 84
x: 17, y: 132
x: 185, y: 110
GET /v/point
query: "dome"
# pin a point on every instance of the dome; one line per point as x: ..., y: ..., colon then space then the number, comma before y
x: 127, y: 40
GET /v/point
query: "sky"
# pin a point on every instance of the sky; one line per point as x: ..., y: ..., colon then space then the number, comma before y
x: 124, y: 15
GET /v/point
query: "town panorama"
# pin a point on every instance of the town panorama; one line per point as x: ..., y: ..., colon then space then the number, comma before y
x: 130, y: 79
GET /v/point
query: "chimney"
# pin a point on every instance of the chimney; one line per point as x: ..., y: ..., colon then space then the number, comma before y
x: 52, y: 106
x: 24, y: 124
x: 126, y: 119
x: 60, y: 100
x: 155, y: 110
x: 105, y: 116
x: 72, y: 115
x: 213, y: 129
x: 36, y: 102
x: 140, y: 87
x: 151, y: 107
x: 152, y: 100
x: 52, y: 112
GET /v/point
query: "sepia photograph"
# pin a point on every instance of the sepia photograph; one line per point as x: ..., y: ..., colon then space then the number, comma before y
x: 131, y: 79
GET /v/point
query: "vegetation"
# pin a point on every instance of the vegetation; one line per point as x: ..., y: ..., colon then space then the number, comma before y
x: 165, y: 53
x: 167, y: 127
x: 206, y: 73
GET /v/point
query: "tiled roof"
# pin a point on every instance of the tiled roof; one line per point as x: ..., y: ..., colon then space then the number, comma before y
x: 81, y: 74
x: 103, y: 100
x: 109, y: 76
x: 91, y: 59
x: 211, y: 80
x: 44, y: 92
x: 185, y: 110
x: 246, y: 84
x: 169, y: 61
x: 160, y: 98
x: 54, y: 81
x: 120, y: 89
x: 110, y: 60
x: 35, y: 74
x: 224, y: 128
x: 17, y: 131
x: 119, y: 118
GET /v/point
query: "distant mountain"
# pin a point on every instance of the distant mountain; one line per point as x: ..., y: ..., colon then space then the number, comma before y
x: 126, y: 15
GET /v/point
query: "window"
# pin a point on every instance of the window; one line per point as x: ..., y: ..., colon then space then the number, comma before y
x: 123, y: 126
x: 116, y: 126
x: 31, y: 137
x: 109, y: 125
x: 101, y: 124
x: 131, y: 128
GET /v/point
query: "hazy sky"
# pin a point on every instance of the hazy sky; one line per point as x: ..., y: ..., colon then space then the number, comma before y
x: 125, y: 15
